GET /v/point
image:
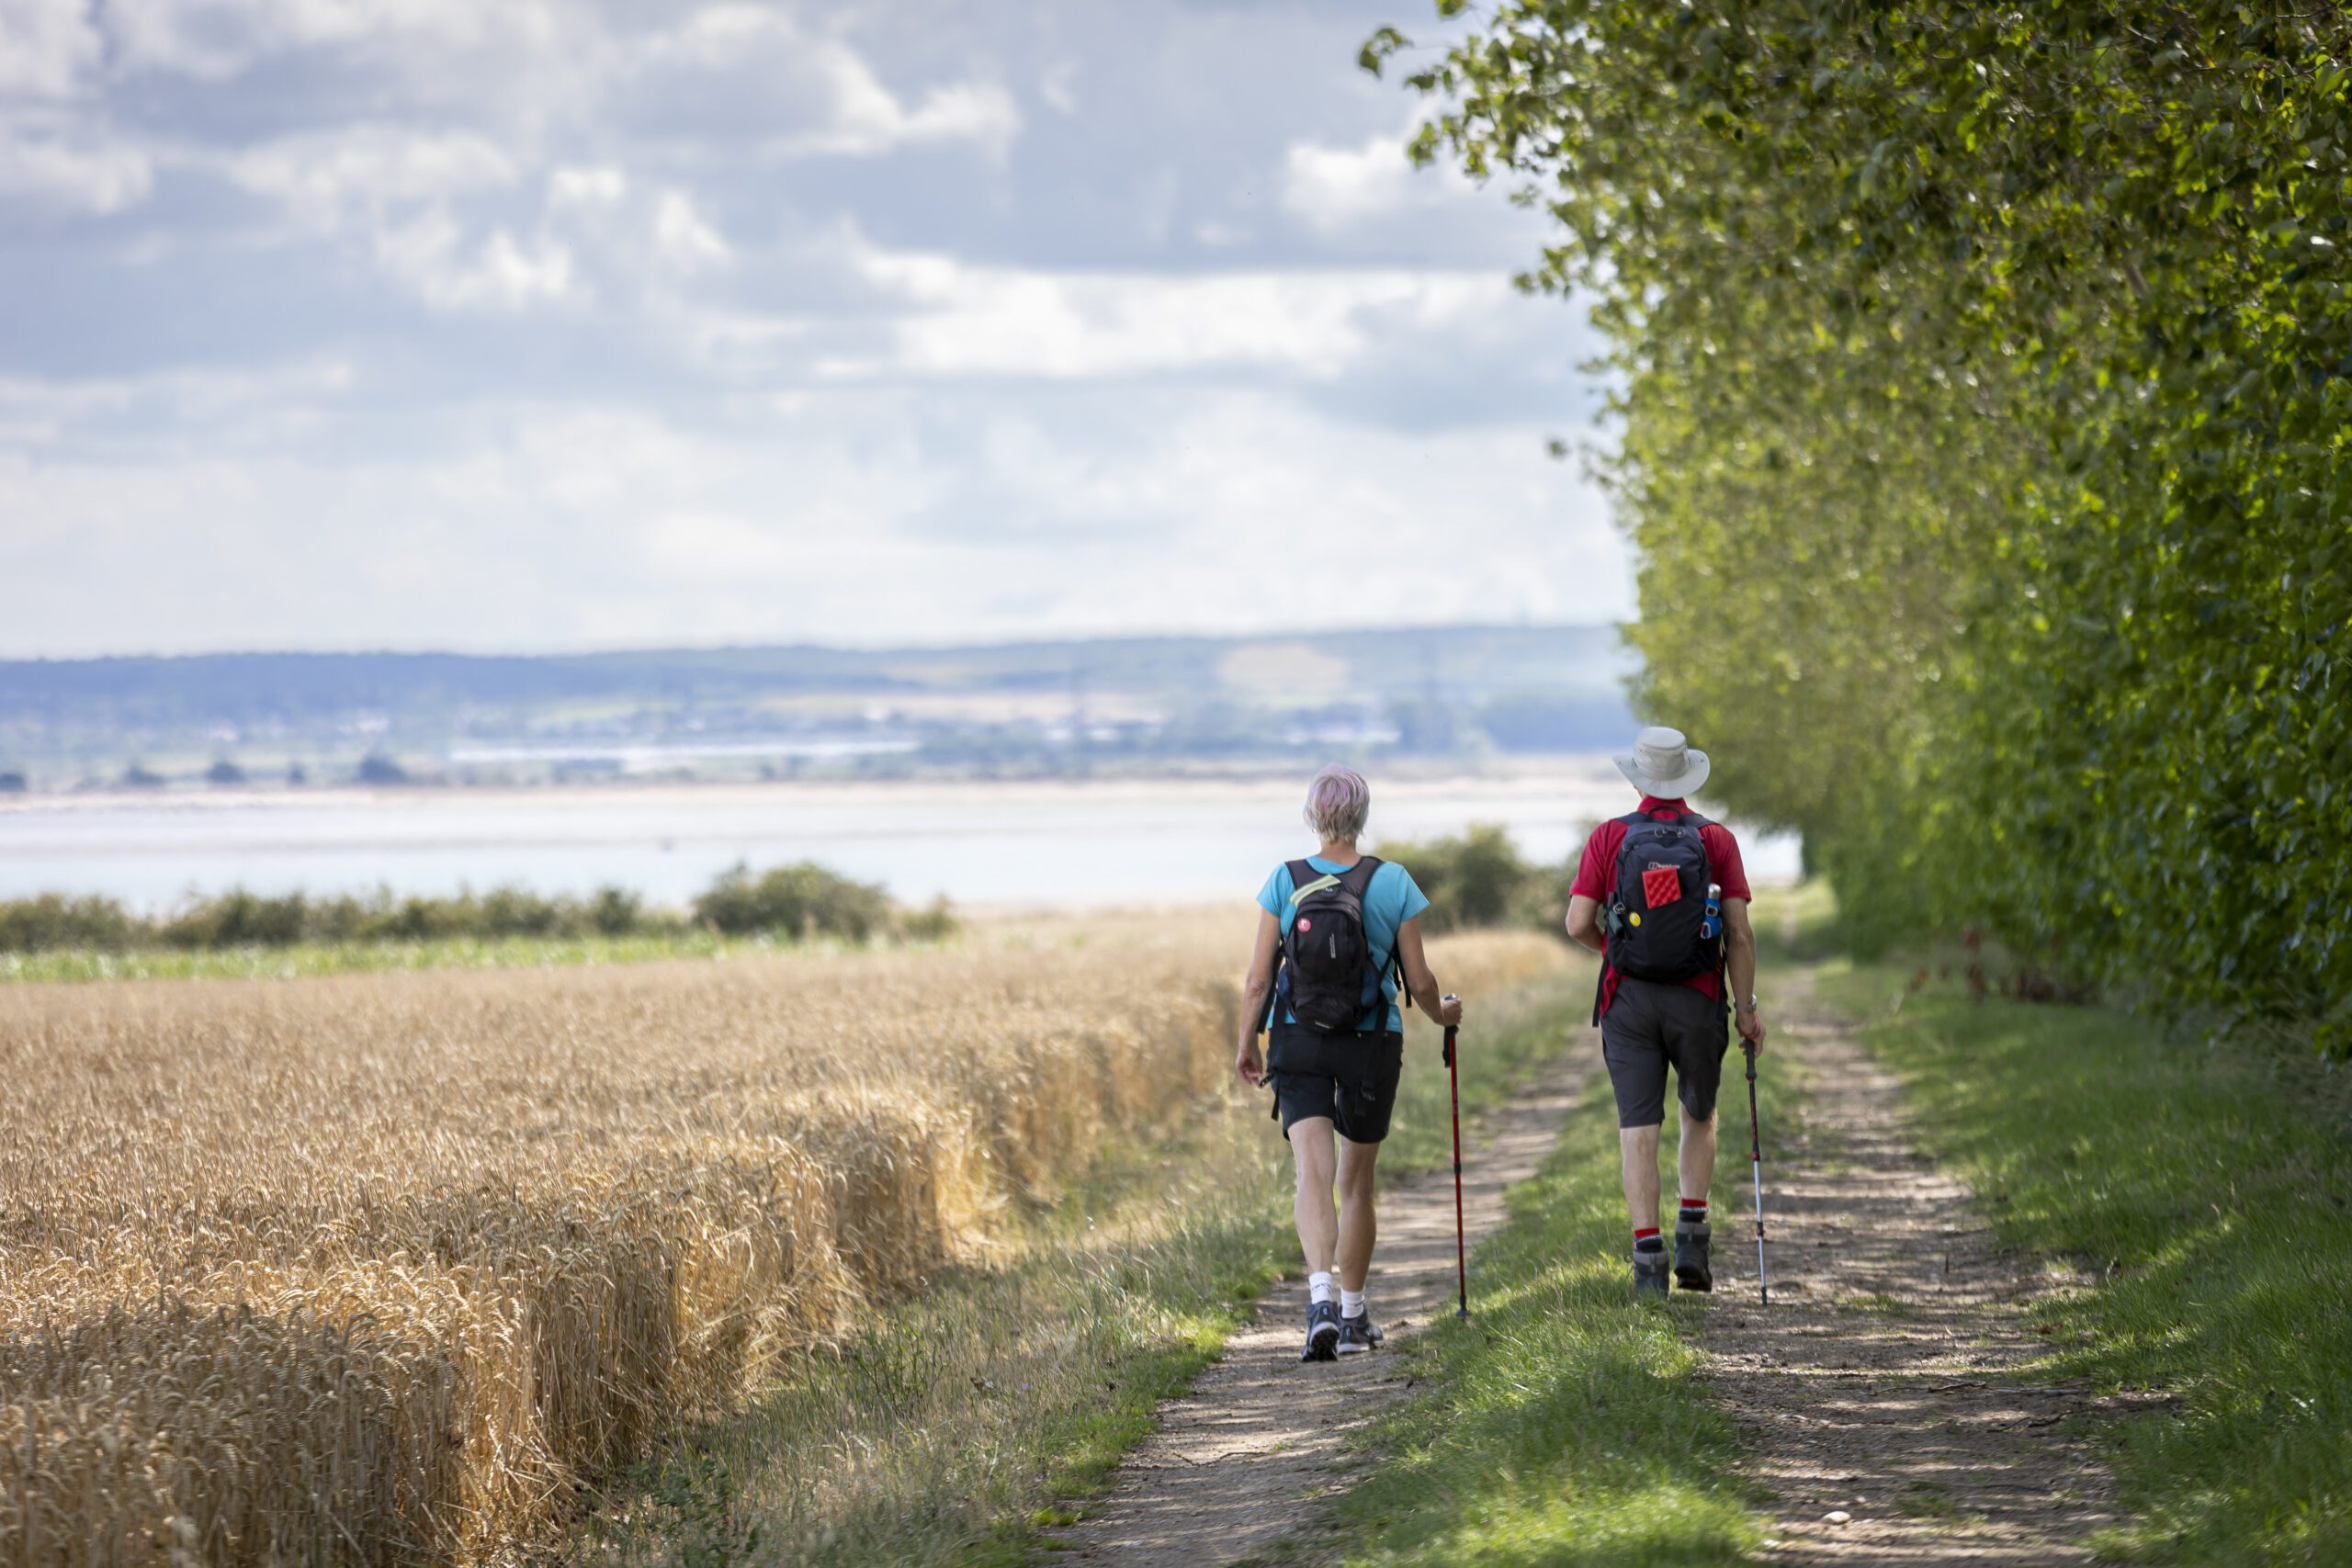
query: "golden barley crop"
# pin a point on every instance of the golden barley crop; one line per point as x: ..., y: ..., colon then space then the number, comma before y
x: 383, y: 1267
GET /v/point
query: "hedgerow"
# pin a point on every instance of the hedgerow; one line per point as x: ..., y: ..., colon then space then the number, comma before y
x: 1983, y: 375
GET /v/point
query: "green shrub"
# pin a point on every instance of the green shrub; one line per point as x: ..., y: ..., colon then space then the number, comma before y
x: 800, y: 900
x: 615, y: 911
x: 796, y: 900
x: 51, y: 920
x: 935, y: 921
x: 1477, y: 879
x: 238, y: 919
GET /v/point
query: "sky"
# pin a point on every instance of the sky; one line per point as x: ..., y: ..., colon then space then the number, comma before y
x: 524, y: 326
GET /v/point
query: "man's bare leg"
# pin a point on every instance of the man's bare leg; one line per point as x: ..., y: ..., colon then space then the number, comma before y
x: 1639, y: 1146
x: 1696, y: 1158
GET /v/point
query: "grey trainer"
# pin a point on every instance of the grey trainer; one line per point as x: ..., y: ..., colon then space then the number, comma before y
x: 1359, y: 1334
x: 1691, y: 1269
x: 1322, y: 1331
x: 1649, y: 1273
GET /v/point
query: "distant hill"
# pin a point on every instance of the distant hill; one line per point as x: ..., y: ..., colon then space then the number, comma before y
x: 1035, y: 706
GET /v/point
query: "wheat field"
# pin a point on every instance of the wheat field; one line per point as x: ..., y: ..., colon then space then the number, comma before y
x: 387, y: 1267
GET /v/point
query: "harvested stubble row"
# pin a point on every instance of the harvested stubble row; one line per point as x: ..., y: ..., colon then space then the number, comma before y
x: 382, y: 1267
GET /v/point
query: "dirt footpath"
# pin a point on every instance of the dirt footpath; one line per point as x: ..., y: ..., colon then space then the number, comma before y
x: 1241, y: 1460
x: 1881, y: 1383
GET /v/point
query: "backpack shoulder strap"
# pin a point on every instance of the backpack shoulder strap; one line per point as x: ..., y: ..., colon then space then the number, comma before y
x: 1359, y: 876
x: 1305, y: 879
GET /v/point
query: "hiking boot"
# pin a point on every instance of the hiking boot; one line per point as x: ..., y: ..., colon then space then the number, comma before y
x: 1691, y: 1271
x: 1322, y: 1331
x: 1649, y: 1274
x: 1359, y: 1334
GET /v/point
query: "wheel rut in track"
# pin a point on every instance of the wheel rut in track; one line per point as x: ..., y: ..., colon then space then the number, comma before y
x: 1884, y: 1381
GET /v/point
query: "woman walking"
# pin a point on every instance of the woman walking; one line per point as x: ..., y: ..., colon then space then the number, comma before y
x: 1338, y: 932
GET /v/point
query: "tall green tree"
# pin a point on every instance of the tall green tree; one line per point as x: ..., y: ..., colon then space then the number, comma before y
x: 1984, y: 379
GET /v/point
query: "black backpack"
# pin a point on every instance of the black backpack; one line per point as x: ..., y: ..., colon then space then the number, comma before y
x: 1327, y: 971
x: 1656, y: 929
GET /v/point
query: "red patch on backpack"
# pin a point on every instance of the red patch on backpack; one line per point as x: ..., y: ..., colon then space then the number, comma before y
x: 1661, y: 885
x: 1304, y: 924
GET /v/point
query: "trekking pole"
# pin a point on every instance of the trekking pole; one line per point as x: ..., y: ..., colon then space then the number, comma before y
x: 1756, y: 1162
x: 1461, y: 1250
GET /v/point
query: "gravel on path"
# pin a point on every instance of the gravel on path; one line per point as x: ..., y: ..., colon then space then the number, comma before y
x: 1882, y: 1392
x: 1242, y: 1458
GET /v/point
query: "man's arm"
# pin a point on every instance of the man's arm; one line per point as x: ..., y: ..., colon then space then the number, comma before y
x: 1739, y: 970
x: 1418, y: 978
x: 1583, y: 921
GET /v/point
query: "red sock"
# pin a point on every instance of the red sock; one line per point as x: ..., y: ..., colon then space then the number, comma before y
x: 1694, y: 1212
x: 1648, y: 1241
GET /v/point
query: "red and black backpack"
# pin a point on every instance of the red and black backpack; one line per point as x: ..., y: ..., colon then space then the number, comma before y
x: 1657, y: 915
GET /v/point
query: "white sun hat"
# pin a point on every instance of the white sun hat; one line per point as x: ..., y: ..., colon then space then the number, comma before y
x: 1662, y: 764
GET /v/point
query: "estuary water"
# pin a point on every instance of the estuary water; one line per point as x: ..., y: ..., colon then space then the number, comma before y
x: 984, y: 845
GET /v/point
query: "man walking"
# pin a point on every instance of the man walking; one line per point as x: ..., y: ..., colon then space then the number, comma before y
x: 1661, y: 896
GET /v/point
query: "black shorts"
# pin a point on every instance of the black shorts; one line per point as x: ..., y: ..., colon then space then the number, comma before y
x: 1653, y: 1023
x: 1352, y: 1079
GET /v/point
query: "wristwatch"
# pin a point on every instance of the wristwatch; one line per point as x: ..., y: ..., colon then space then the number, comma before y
x: 1738, y: 1006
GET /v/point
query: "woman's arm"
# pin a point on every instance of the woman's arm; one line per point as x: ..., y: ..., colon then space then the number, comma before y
x: 1418, y: 978
x: 1256, y: 992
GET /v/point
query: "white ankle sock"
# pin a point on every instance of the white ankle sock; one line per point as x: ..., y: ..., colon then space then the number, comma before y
x: 1318, y: 1287
x: 1351, y: 1302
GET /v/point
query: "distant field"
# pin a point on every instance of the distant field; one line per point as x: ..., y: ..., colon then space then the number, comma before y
x: 388, y: 1267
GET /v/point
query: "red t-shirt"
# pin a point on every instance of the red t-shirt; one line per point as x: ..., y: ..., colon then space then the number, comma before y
x: 1596, y: 876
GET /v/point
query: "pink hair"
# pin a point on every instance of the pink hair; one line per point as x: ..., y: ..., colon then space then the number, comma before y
x: 1337, y: 803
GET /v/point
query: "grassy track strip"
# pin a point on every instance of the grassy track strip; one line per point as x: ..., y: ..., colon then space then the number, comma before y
x: 1567, y: 1425
x: 2202, y: 1195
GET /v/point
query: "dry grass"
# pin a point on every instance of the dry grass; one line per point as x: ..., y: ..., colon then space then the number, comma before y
x: 383, y: 1267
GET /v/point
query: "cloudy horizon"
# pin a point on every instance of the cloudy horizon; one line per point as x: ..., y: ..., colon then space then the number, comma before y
x: 561, y: 325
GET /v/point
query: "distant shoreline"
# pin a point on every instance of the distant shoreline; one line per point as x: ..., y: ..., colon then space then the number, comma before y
x: 1402, y: 775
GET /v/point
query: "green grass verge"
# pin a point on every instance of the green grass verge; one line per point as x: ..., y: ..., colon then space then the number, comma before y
x: 2202, y: 1193
x: 959, y: 1425
x: 1567, y: 1424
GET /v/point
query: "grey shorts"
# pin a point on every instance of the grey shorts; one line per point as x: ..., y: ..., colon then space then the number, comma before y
x: 1651, y: 1024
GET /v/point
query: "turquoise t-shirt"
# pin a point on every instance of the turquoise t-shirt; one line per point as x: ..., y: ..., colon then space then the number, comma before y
x: 1390, y: 901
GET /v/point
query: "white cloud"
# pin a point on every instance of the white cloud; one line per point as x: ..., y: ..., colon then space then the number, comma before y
x: 905, y: 518
x: 390, y: 191
x: 327, y: 178
x: 217, y: 40
x: 1345, y: 188
x: 47, y: 47
x: 586, y: 187
x: 811, y: 93
x: 75, y: 176
x: 430, y: 256
x: 706, y: 406
x: 1058, y: 86
x: 684, y: 239
x: 982, y: 320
